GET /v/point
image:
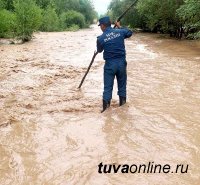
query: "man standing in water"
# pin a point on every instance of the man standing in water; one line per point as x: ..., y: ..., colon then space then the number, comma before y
x: 112, y: 43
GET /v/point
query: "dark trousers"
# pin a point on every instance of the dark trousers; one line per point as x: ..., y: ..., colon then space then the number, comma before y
x: 111, y: 69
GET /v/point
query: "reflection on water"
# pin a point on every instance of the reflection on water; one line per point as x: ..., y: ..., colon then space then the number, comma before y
x: 53, y: 133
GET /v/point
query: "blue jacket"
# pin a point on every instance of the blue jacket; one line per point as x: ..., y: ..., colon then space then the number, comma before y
x: 112, y: 42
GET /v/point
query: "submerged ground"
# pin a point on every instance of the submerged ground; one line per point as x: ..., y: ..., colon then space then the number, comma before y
x: 53, y: 133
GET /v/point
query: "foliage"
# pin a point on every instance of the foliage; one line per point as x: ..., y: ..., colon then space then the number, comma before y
x: 160, y: 15
x: 2, y: 5
x: 87, y: 10
x: 170, y: 16
x: 7, y: 23
x: 190, y: 15
x: 50, y: 20
x: 73, y: 27
x: 66, y: 5
x: 23, y: 17
x: 84, y: 7
x: 28, y: 18
x: 132, y: 18
x: 115, y: 9
x: 7, y: 4
x: 72, y: 18
x: 44, y: 3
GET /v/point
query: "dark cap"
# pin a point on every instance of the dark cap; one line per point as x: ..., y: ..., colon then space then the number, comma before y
x: 104, y: 20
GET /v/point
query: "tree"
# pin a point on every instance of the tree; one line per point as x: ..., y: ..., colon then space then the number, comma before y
x: 87, y: 9
x: 189, y: 13
x: 7, y: 21
x: 71, y: 18
x: 2, y: 4
x: 160, y: 15
x: 43, y: 3
x: 65, y: 5
x: 132, y: 18
x: 50, y: 20
x: 151, y: 15
x: 28, y: 18
x: 7, y: 4
x: 116, y: 9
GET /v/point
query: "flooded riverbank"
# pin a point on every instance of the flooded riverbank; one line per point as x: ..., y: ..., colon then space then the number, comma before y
x: 53, y: 133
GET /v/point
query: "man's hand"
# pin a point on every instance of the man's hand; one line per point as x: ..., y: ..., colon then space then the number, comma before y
x: 117, y: 24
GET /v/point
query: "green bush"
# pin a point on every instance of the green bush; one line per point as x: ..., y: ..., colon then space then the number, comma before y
x: 50, y: 20
x: 86, y: 8
x: 194, y: 35
x: 72, y: 18
x: 7, y: 4
x: 73, y: 27
x: 176, y: 17
x: 28, y: 18
x: 7, y: 20
x: 189, y: 14
x: 160, y: 16
x: 2, y: 5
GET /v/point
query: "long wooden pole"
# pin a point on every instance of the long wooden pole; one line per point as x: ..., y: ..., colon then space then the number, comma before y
x: 95, y: 54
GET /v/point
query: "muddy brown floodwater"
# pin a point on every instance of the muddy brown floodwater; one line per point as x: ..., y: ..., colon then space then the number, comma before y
x: 53, y: 133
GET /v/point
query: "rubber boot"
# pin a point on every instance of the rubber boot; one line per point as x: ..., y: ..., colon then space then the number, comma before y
x: 106, y: 104
x: 122, y: 100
